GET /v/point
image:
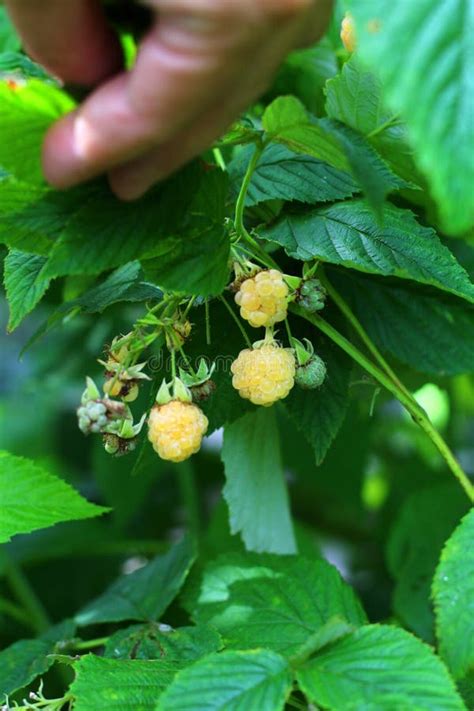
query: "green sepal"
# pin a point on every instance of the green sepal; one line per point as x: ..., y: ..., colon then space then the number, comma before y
x: 91, y: 392
x: 181, y: 392
x: 163, y: 395
x: 293, y: 282
x: 202, y: 375
x: 303, y: 354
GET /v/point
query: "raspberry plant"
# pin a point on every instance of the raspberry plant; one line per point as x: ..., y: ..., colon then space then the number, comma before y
x: 303, y: 290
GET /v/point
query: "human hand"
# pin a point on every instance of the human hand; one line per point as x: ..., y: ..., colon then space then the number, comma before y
x: 200, y: 65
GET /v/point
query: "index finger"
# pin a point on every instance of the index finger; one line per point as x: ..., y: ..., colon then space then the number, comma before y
x: 182, y: 67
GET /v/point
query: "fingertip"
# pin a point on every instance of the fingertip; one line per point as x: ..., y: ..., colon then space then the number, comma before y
x: 58, y: 147
x: 124, y: 190
x: 132, y: 181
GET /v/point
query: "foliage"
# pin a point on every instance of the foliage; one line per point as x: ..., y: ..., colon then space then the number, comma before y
x: 315, y: 552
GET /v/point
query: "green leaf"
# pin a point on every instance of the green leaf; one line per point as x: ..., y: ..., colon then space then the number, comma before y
x: 453, y: 595
x: 144, y: 594
x: 401, y: 321
x: 21, y: 663
x: 256, y: 490
x: 24, y: 285
x: 31, y: 498
x: 348, y: 234
x: 424, y: 523
x: 27, y: 659
x: 8, y: 38
x: 305, y: 73
x: 153, y: 641
x: 319, y: 414
x: 119, y: 685
x: 32, y: 216
x: 355, y: 97
x: 372, y: 174
x: 286, y: 121
x: 102, y: 232
x: 25, y: 115
x: 231, y: 681
x: 17, y: 66
x: 285, y: 175
x: 379, y: 667
x: 273, y: 602
x: 124, y: 284
x: 180, y: 222
x: 422, y: 53
x: 196, y: 263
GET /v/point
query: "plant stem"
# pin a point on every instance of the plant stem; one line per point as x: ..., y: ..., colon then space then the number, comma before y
x: 14, y: 611
x: 208, y: 323
x: 189, y: 496
x: 288, y: 332
x: 236, y: 320
x: 173, y: 364
x: 416, y: 412
x: 239, y: 225
x: 393, y: 121
x: 361, y: 332
x: 26, y: 596
x: 240, y: 204
x: 219, y: 158
x: 90, y: 643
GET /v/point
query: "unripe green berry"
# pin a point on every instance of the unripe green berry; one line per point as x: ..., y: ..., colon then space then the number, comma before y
x: 311, y: 295
x: 312, y: 374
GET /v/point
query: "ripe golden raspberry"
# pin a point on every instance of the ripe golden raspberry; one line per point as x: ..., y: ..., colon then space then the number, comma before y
x: 263, y: 299
x: 348, y: 33
x: 176, y: 430
x: 264, y: 375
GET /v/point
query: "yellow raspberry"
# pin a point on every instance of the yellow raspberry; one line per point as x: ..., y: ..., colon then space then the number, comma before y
x: 264, y: 375
x: 263, y: 299
x: 176, y: 430
x: 348, y: 32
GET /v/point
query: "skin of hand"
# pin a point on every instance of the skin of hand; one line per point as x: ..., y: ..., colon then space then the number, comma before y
x: 200, y: 65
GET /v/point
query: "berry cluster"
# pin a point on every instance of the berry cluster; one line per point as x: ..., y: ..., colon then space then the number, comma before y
x: 264, y: 374
x: 263, y: 299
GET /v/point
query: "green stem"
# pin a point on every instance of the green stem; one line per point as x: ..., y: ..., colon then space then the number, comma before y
x: 173, y: 364
x: 189, y: 496
x: 208, y: 323
x: 186, y: 360
x: 236, y: 320
x: 239, y: 225
x: 296, y: 704
x: 90, y: 643
x: 343, y: 306
x: 189, y: 306
x: 219, y: 158
x: 14, y: 611
x: 416, y: 412
x: 26, y: 596
x: 393, y: 121
x: 240, y: 204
